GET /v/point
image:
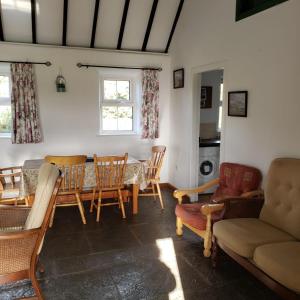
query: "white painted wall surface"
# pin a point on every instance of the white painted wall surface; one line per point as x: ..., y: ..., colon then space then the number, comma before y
x: 260, y: 54
x: 70, y: 120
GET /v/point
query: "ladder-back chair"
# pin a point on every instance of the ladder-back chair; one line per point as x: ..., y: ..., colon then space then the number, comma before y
x: 153, y: 168
x: 109, y: 172
x: 73, y: 171
x: 10, y: 181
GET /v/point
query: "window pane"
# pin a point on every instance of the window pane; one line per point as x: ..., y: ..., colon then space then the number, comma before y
x: 4, y: 86
x: 125, y: 118
x: 123, y: 89
x: 5, y: 119
x: 110, y: 89
x: 109, y: 118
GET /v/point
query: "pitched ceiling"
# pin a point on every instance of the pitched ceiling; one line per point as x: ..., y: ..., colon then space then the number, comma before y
x: 140, y: 25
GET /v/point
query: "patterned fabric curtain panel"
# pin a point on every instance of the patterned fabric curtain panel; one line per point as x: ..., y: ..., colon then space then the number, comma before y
x: 150, y: 106
x: 25, y: 114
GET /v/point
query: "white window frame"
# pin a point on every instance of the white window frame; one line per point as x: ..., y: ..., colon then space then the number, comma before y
x: 5, y: 101
x: 134, y: 93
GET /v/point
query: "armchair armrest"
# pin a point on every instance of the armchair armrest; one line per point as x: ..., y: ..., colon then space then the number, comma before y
x: 208, y: 209
x: 180, y: 193
x: 243, y: 207
x: 13, y: 216
x: 257, y: 193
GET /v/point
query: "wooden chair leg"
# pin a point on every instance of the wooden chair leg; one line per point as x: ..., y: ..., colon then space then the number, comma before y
x: 35, y: 284
x: 207, y: 245
x: 121, y: 204
x: 179, y: 227
x: 99, y: 206
x: 52, y: 216
x: 81, y: 208
x: 159, y: 195
x: 93, y: 201
x: 153, y: 191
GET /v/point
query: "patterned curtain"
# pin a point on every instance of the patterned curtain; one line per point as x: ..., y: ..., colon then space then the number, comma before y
x: 25, y: 115
x: 150, y: 107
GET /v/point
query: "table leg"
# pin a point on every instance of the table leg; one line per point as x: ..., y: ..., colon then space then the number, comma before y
x: 135, y: 195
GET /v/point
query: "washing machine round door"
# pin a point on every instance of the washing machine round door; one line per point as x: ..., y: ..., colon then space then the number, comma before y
x: 207, y: 168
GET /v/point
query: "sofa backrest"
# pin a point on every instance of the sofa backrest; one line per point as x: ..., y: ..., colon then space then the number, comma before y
x: 282, y: 196
x: 47, y: 177
x: 236, y: 179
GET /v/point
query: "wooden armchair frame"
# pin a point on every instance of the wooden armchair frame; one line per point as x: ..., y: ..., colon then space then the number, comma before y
x: 207, y: 210
x: 22, y: 246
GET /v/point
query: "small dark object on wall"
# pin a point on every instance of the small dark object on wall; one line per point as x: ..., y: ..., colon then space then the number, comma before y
x: 60, y: 84
x: 206, y: 97
x: 237, y: 104
x: 178, y: 78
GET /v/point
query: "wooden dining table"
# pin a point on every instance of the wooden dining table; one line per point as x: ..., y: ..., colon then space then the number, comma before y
x: 134, y: 176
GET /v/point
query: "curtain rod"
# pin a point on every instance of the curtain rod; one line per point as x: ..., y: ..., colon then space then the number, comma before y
x: 47, y: 63
x: 80, y: 65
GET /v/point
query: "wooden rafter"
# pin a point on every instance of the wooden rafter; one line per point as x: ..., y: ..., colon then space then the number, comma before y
x: 174, y: 25
x: 1, y: 27
x: 33, y: 20
x: 96, y: 13
x: 149, y: 26
x: 65, y: 23
x: 122, y: 28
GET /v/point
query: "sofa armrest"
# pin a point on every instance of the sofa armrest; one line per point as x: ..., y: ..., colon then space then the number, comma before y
x: 179, y: 194
x: 242, y: 207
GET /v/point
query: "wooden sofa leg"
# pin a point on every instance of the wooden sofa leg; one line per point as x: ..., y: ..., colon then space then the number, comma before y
x: 215, y: 248
x: 179, y: 227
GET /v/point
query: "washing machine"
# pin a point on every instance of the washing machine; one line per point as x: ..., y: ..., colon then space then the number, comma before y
x: 209, y: 160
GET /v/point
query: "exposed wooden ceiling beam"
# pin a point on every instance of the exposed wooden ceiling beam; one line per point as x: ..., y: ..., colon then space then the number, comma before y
x: 65, y: 23
x: 1, y: 28
x: 122, y: 28
x: 33, y: 21
x: 174, y: 25
x: 149, y: 26
x: 96, y: 13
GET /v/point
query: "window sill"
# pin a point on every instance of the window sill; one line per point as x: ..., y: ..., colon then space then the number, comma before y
x: 117, y: 134
x: 5, y: 136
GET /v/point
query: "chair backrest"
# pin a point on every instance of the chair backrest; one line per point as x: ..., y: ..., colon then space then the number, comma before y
x: 44, y: 196
x: 10, y: 175
x: 73, y: 171
x: 236, y: 179
x: 110, y: 171
x: 282, y: 196
x: 155, y: 164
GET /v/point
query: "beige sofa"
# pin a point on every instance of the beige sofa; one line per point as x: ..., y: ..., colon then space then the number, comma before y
x: 269, y: 246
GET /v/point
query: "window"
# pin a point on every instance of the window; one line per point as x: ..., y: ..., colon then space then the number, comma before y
x: 118, y: 105
x: 5, y: 105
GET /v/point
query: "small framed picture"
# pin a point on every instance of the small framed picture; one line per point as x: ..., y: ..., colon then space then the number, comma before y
x: 237, y: 103
x: 178, y: 78
x: 206, y: 97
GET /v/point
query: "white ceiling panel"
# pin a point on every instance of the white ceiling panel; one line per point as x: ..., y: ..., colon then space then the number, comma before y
x: 80, y: 22
x: 109, y: 21
x: 49, y: 21
x: 16, y: 18
x: 136, y: 25
x: 162, y: 25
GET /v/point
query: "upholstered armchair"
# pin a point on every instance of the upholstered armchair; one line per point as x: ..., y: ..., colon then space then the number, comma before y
x: 268, y: 243
x: 22, y: 230
x: 236, y: 181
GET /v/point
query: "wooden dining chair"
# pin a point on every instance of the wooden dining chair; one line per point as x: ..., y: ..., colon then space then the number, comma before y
x: 73, y: 171
x: 153, y: 168
x: 10, y: 181
x: 109, y: 171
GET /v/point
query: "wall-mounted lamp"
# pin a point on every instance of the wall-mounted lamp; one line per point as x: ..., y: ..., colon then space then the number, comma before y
x: 60, y: 84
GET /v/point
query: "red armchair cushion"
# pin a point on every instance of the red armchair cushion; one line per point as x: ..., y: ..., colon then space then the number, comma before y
x: 191, y: 215
x: 236, y: 179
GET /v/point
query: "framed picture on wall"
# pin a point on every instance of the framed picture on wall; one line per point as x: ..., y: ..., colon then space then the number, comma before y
x: 206, y: 97
x: 237, y: 104
x: 178, y: 78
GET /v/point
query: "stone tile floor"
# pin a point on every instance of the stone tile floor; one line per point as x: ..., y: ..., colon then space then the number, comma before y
x: 137, y: 258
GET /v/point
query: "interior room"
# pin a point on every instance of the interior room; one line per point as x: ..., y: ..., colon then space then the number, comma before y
x: 149, y: 149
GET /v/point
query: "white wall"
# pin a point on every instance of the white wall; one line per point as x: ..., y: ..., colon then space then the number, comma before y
x: 213, y: 79
x: 260, y: 54
x: 70, y: 120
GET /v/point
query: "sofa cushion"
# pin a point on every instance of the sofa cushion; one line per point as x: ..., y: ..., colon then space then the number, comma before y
x: 282, y: 196
x: 244, y: 235
x: 191, y: 215
x: 281, y: 261
x: 47, y: 177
